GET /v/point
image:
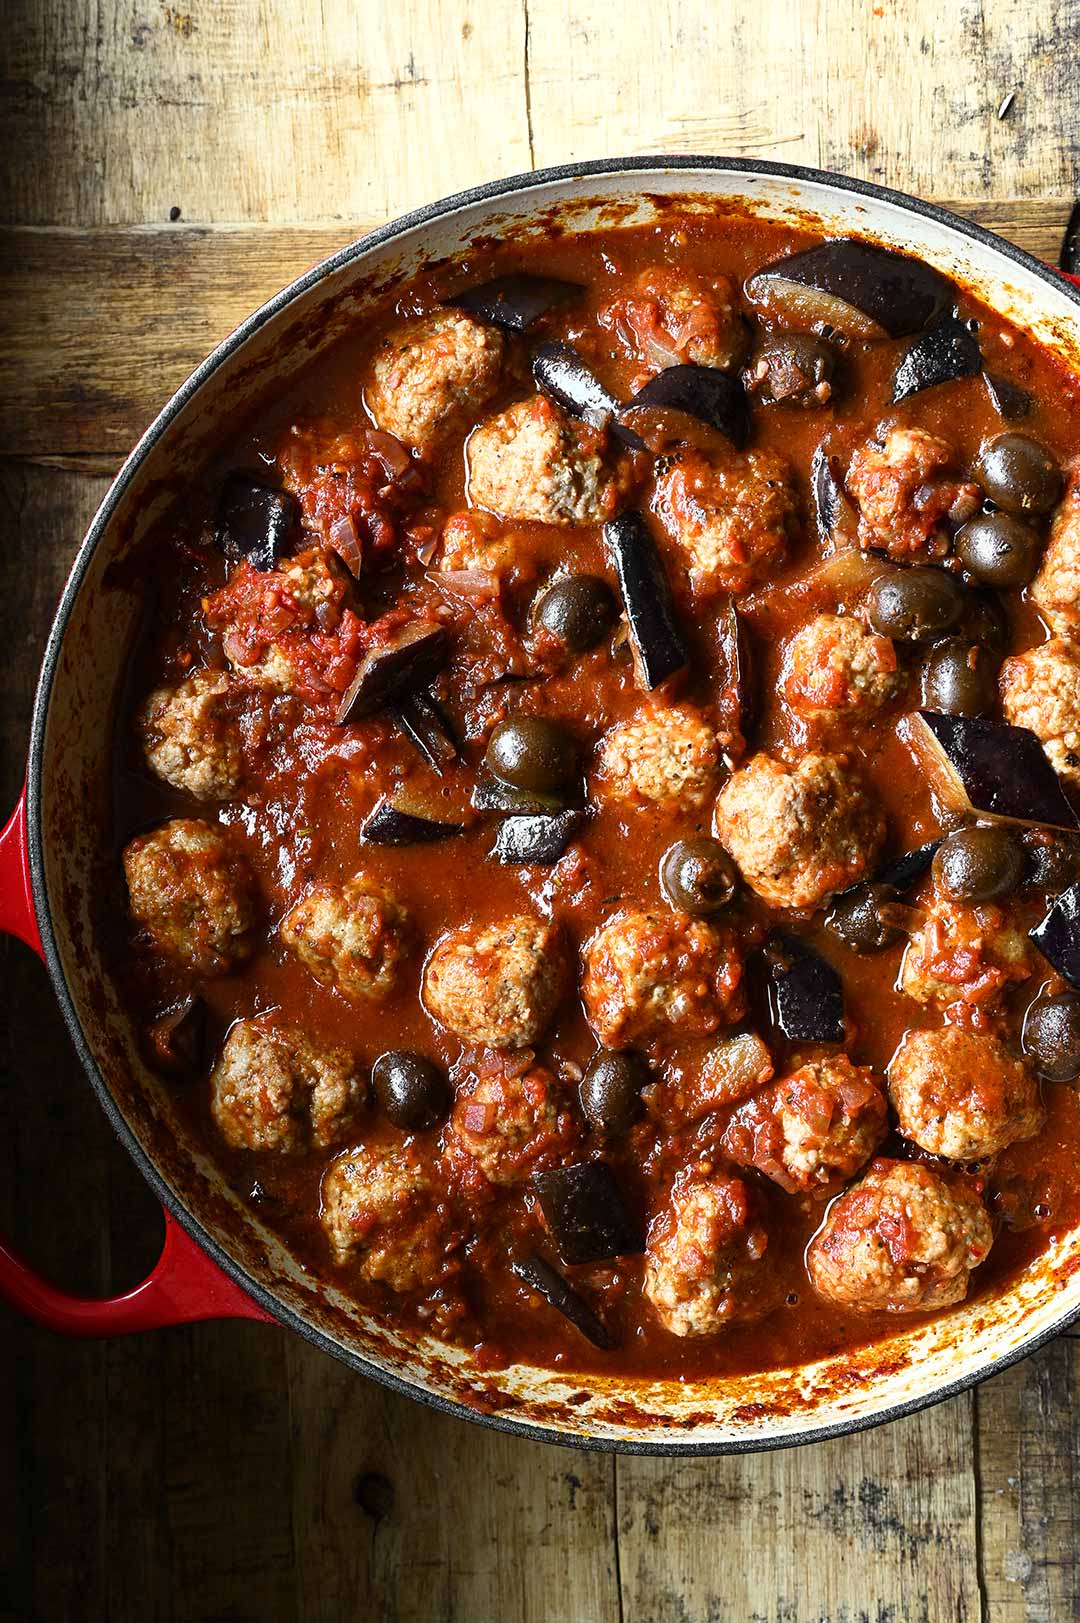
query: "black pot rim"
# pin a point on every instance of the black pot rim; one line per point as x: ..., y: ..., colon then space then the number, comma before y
x: 259, y: 1293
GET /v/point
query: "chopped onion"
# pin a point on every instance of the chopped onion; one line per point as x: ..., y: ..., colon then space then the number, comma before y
x: 346, y: 543
x: 478, y: 1117
x: 390, y: 452
x: 474, y: 585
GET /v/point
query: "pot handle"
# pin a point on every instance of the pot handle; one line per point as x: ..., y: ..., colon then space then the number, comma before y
x: 185, y: 1285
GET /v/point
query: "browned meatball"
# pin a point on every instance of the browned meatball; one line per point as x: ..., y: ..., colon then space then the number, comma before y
x: 668, y: 317
x: 666, y: 755
x: 705, y: 1266
x: 905, y: 486
x: 431, y: 375
x: 478, y: 541
x: 305, y: 594
x: 901, y: 1240
x: 190, y: 736
x: 193, y: 894
x: 497, y: 984
x: 799, y: 833
x: 730, y: 515
x: 1041, y: 690
x: 354, y: 937
x: 836, y: 666
x: 272, y: 1089
x: 650, y: 975
x: 812, y: 1128
x: 382, y: 1209
x: 961, y: 1094
x: 1055, y: 591
x: 532, y: 462
x: 964, y: 955
x: 502, y: 1126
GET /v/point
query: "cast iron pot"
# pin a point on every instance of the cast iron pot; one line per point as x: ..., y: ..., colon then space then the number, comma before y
x: 218, y: 1260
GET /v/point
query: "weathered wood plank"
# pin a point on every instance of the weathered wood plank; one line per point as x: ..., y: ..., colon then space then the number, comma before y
x: 1029, y: 1487
x: 100, y: 326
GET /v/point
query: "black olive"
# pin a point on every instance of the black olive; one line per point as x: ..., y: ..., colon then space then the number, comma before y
x: 610, y: 1090
x: 792, y: 369
x: 411, y: 1091
x: 986, y: 622
x: 915, y: 605
x: 698, y: 877
x: 1051, y: 1036
x: 1052, y: 860
x: 1018, y: 474
x: 531, y: 753
x: 998, y: 549
x: 978, y: 863
x: 959, y: 678
x: 578, y: 611
x: 855, y: 918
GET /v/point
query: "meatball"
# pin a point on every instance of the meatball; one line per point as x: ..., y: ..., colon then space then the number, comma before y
x: 190, y: 737
x: 961, y: 1094
x: 812, y: 1128
x: 704, y: 1266
x: 1041, y: 690
x: 477, y: 541
x: 193, y: 894
x: 502, y: 1125
x: 353, y: 937
x: 497, y: 984
x: 965, y: 955
x: 799, y: 833
x: 272, y: 1089
x: 532, y: 462
x: 667, y: 755
x: 730, y: 515
x: 430, y: 376
x: 902, y: 1240
x: 670, y: 318
x: 837, y: 666
x: 905, y: 487
x: 267, y: 617
x: 649, y: 975
x: 1055, y: 591
x: 381, y: 1208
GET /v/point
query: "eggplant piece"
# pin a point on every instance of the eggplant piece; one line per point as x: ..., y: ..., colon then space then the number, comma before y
x: 585, y: 1211
x: 396, y: 824
x: 806, y: 995
x: 515, y: 301
x: 561, y: 374
x: 658, y: 647
x: 178, y: 1040
x: 491, y: 794
x: 1007, y: 398
x: 674, y: 406
x: 537, y: 839
x: 903, y: 872
x: 255, y: 521
x: 837, y: 520
x: 421, y: 719
x: 736, y: 696
x: 988, y: 767
x: 947, y: 352
x: 411, y: 659
x: 850, y: 287
x: 1057, y: 936
x: 541, y: 1277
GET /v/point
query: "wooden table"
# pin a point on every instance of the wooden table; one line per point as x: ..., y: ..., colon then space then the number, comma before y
x: 165, y: 168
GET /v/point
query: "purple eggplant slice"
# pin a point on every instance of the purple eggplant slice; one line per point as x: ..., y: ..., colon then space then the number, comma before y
x: 541, y: 1277
x: 421, y: 719
x: 177, y: 1041
x: 1057, y: 936
x: 561, y: 374
x: 411, y: 660
x: 537, y: 839
x: 852, y: 288
x: 255, y: 521
x: 585, y: 1211
x: 658, y: 646
x: 806, y: 996
x: 950, y: 350
x: 493, y: 794
x: 736, y: 691
x: 516, y: 301
x: 673, y: 407
x: 903, y: 872
x: 394, y: 823
x: 837, y: 520
x: 988, y: 767
x: 1007, y: 398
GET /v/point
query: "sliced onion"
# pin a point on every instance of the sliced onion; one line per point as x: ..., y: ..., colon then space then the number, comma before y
x: 390, y: 452
x: 346, y: 543
x: 474, y: 585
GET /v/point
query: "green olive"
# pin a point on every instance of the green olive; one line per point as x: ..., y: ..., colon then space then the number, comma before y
x: 998, y: 549
x: 959, y: 678
x: 610, y: 1090
x: 577, y: 611
x: 411, y: 1091
x: 915, y: 605
x: 855, y: 918
x: 531, y: 753
x: 698, y: 877
x: 1018, y: 474
x: 1051, y: 1037
x: 979, y: 863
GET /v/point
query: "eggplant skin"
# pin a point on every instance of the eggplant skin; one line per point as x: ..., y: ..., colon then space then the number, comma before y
x: 516, y: 301
x: 540, y: 840
x: 903, y: 872
x: 836, y: 517
x: 255, y: 521
x: 990, y: 767
x: 1057, y: 936
x: 717, y: 399
x: 947, y: 352
x: 541, y: 1277
x: 585, y: 1211
x: 393, y: 825
x: 806, y: 995
x: 659, y: 649
x: 1008, y: 399
x: 408, y: 662
x: 896, y: 293
x: 561, y: 374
